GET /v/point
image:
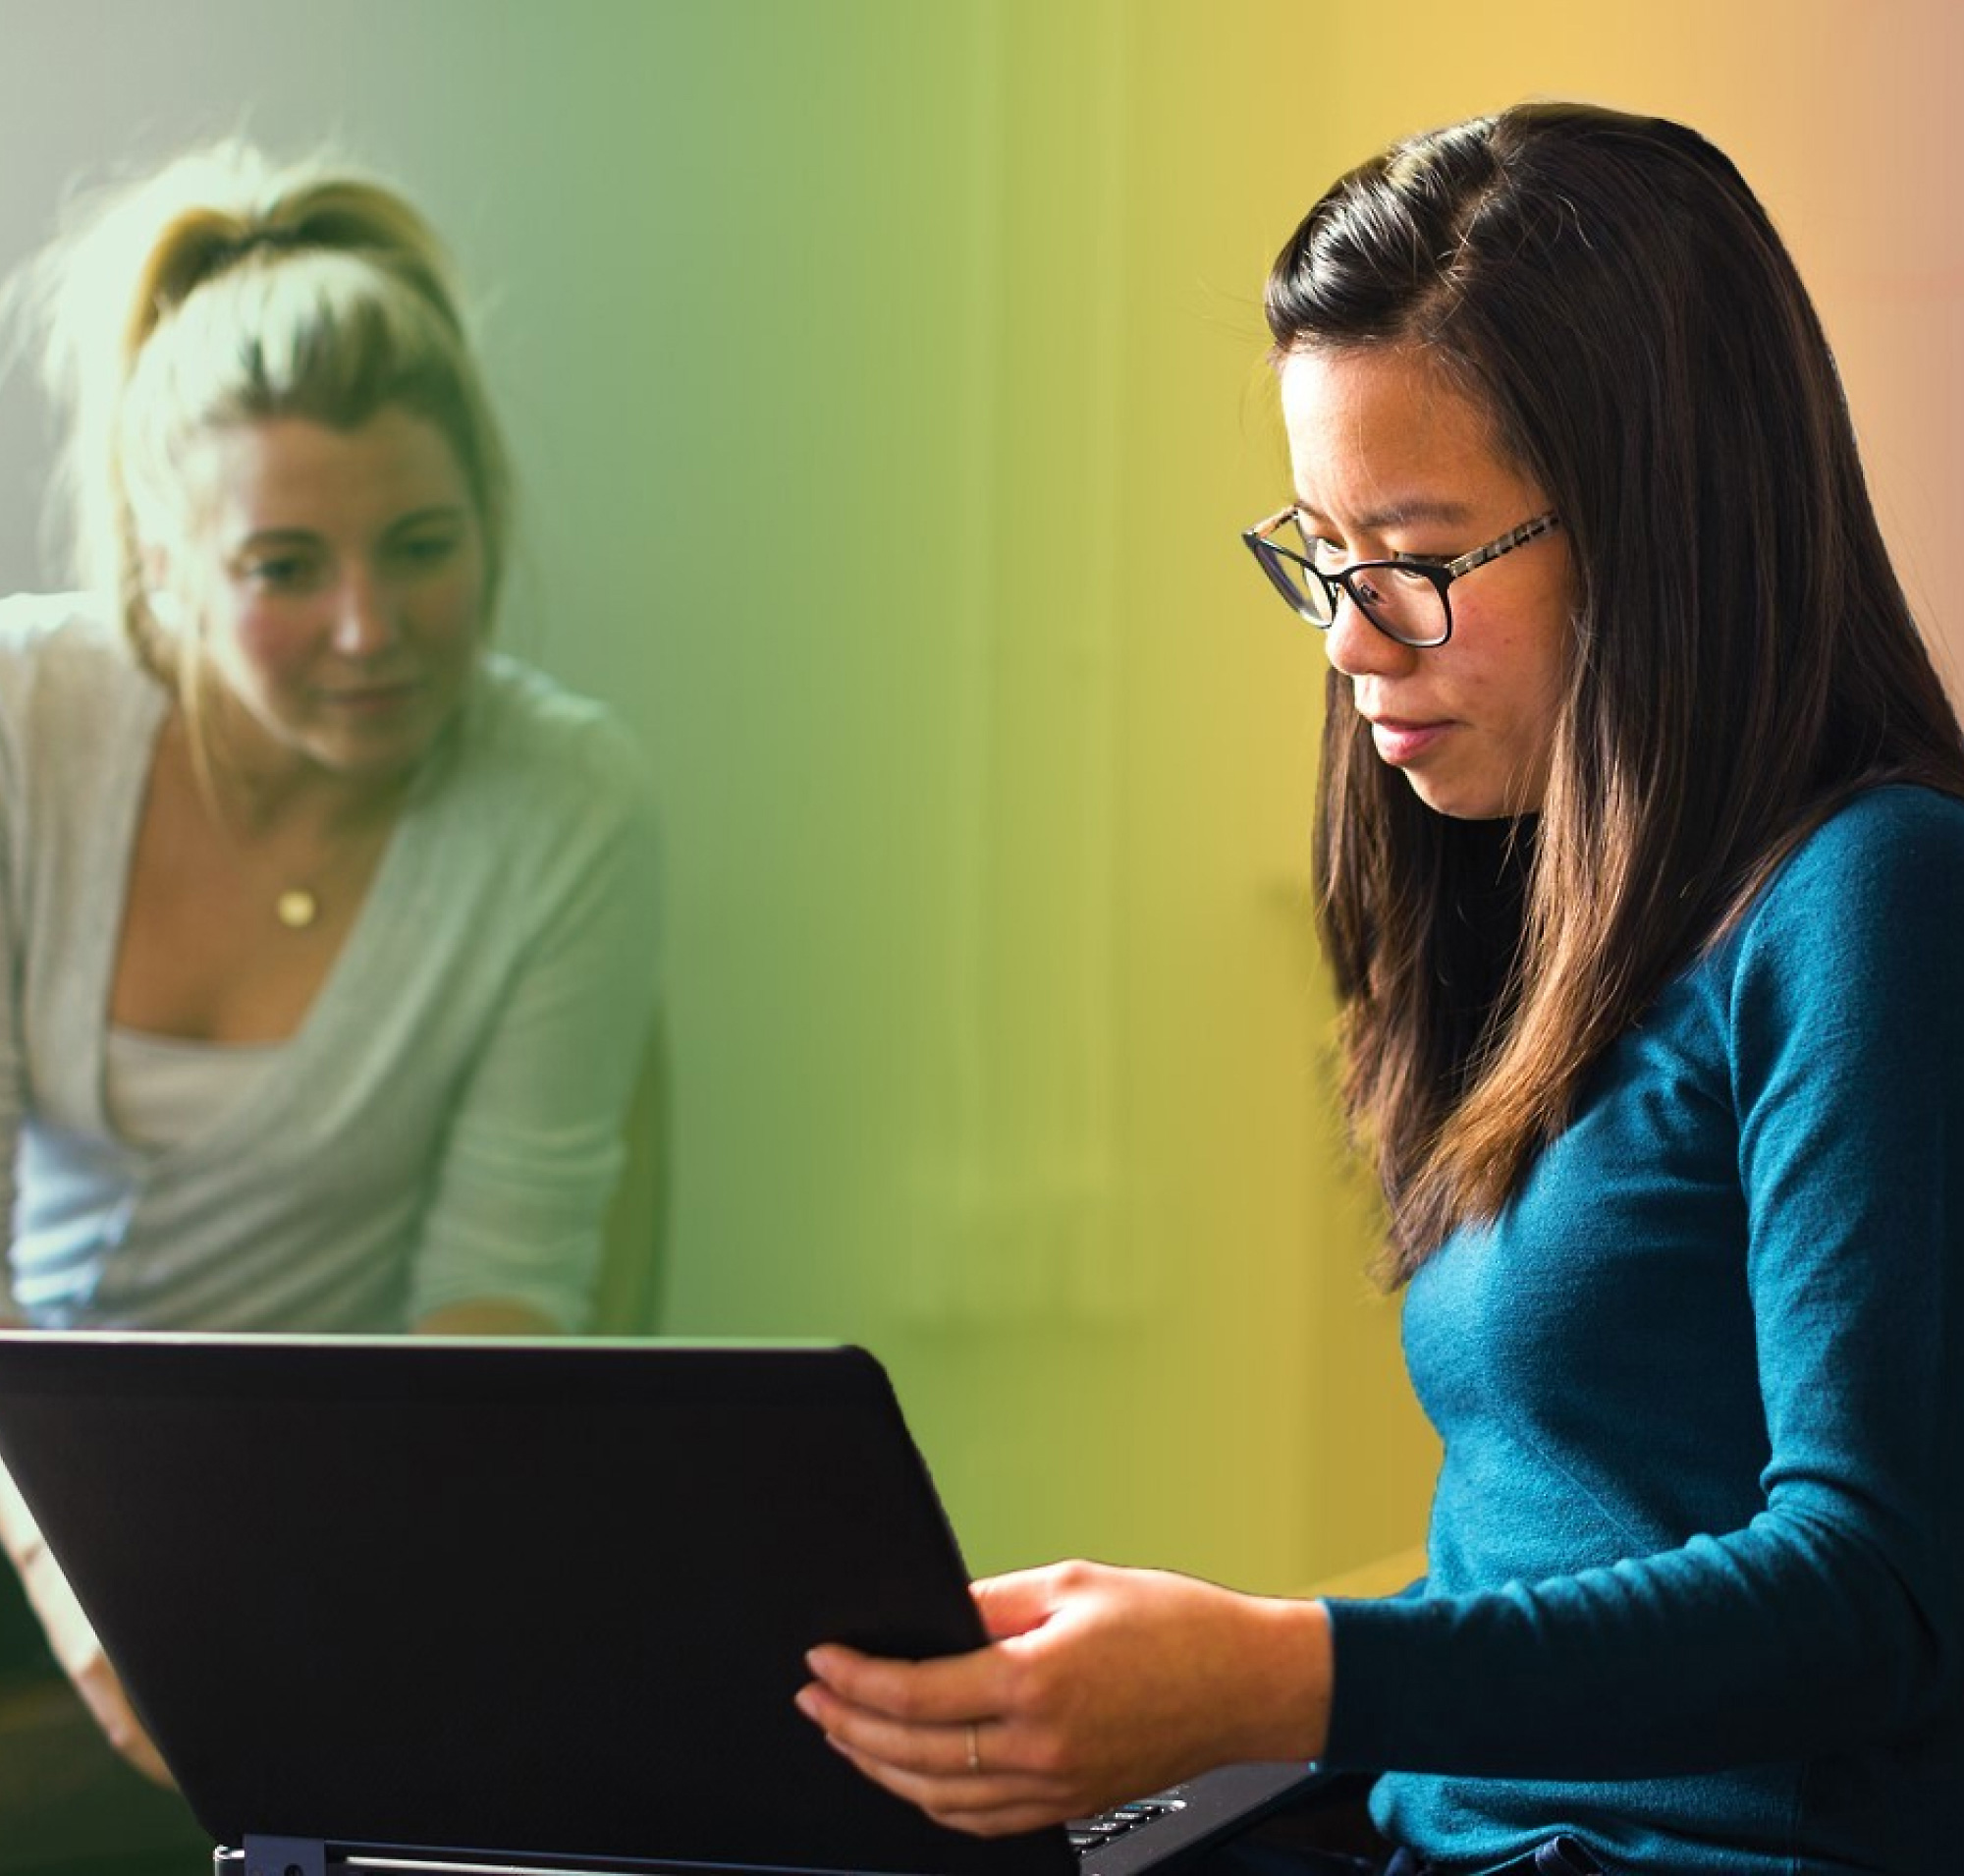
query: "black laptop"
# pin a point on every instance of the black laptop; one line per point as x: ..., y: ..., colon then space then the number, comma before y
x: 420, y: 1605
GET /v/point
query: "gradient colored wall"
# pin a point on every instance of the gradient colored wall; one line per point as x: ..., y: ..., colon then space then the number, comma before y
x: 887, y: 383
x: 1097, y: 1210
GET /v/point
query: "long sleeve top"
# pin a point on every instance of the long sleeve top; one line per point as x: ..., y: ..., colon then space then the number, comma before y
x: 1696, y: 1565
x: 443, y: 1127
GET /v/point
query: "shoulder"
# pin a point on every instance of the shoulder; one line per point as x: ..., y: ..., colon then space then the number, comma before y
x: 63, y: 635
x: 1886, y: 865
x: 61, y: 663
x: 1885, y: 824
x: 519, y: 717
x: 538, y: 755
x: 1861, y: 924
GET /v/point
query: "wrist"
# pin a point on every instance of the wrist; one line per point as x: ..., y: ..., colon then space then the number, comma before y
x: 1290, y: 1715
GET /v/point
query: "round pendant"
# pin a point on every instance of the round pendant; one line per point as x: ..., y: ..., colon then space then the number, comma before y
x: 296, y: 908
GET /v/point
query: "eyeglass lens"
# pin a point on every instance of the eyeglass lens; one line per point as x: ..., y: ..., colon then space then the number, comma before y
x: 1404, y: 603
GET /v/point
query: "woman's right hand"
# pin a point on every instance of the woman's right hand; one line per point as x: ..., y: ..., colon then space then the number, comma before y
x: 71, y: 1638
x: 102, y: 1694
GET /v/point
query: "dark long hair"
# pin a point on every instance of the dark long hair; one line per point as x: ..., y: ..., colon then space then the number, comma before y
x: 1610, y: 292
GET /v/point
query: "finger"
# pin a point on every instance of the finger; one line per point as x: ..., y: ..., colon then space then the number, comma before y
x: 984, y: 1804
x: 954, y: 1688
x: 942, y: 1749
x: 1014, y: 1604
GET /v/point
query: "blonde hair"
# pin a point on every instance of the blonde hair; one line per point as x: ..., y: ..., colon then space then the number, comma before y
x: 222, y: 290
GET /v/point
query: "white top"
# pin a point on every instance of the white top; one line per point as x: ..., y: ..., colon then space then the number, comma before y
x: 445, y: 1125
x: 161, y: 1091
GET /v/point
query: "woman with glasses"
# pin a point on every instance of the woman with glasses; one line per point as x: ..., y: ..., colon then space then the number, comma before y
x: 326, y: 930
x: 1640, y: 841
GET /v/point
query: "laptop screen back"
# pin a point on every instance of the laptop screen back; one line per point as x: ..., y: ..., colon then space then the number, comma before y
x: 546, y: 1599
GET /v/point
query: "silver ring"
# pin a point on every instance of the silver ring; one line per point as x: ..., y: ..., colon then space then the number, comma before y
x: 974, y: 1750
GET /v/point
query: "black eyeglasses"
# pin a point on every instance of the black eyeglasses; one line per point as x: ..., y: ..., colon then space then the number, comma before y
x: 1405, y: 599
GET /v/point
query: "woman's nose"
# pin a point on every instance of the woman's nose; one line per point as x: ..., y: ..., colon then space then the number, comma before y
x: 1359, y: 650
x: 365, y: 619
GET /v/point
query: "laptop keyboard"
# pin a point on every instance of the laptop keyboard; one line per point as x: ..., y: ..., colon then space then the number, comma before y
x: 1089, y: 1834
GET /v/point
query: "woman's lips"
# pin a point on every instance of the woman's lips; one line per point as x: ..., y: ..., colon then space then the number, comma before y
x: 373, y: 699
x: 1400, y: 743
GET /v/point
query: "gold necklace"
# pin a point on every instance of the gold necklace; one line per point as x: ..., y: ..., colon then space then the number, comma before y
x: 296, y: 907
x: 297, y: 903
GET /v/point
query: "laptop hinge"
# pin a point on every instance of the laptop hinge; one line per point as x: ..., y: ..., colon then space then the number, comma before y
x: 285, y: 1855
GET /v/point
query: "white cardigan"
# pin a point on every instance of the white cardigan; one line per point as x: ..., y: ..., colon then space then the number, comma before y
x: 443, y: 1127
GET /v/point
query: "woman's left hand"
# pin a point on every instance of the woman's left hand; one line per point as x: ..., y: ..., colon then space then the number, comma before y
x: 488, y: 1316
x: 1098, y: 1686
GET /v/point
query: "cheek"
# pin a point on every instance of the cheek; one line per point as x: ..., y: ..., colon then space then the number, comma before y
x: 264, y: 647
x: 464, y: 607
x: 450, y: 608
x: 1524, y: 654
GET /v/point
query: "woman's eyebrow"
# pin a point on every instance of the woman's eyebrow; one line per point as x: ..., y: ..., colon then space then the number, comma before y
x: 1421, y: 510
x: 277, y: 536
x: 436, y: 512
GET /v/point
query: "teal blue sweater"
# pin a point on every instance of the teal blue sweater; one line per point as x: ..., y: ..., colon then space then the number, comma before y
x: 1696, y: 1586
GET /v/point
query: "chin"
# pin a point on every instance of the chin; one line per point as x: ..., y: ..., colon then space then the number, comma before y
x: 1470, y: 803
x: 382, y: 765
x: 380, y: 752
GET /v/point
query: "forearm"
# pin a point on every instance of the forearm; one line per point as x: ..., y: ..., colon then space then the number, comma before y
x: 535, y: 1145
x: 1282, y: 1707
x: 70, y: 1635
x: 19, y: 1534
x: 1796, y: 1641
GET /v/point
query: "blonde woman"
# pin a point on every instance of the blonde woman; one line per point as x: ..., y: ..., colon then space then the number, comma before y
x: 326, y: 930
